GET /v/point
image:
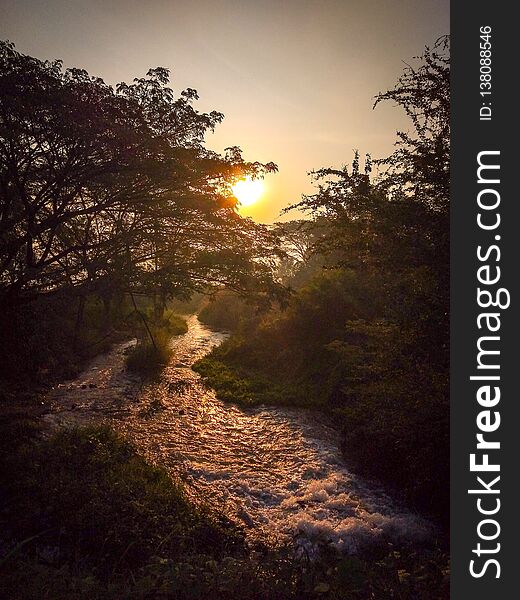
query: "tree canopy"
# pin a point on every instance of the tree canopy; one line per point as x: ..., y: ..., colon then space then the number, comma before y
x: 105, y: 187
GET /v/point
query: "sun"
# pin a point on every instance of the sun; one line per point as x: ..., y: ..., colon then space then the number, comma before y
x: 247, y: 191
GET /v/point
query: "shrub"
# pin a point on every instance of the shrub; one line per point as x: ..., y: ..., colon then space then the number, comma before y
x: 148, y: 357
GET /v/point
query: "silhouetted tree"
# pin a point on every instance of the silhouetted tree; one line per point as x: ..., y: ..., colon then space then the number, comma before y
x: 112, y: 190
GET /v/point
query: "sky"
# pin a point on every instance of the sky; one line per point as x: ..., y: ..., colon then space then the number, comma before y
x: 295, y: 79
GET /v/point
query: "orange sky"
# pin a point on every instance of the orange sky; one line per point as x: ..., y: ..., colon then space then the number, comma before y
x: 295, y: 79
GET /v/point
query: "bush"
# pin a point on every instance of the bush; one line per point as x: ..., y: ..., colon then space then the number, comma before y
x: 148, y: 357
x: 246, y: 388
x: 173, y: 323
x: 226, y: 310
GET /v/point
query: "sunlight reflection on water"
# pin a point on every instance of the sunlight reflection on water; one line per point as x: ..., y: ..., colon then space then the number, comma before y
x: 276, y: 470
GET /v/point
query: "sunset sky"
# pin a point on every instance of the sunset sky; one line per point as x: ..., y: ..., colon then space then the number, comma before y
x: 295, y: 79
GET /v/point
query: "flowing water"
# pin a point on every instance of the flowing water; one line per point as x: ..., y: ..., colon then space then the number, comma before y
x: 278, y: 471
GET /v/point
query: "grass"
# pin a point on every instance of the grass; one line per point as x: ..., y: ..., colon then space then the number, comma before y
x: 245, y: 389
x: 148, y: 357
x: 84, y: 517
x: 172, y: 323
x: 388, y: 431
x: 90, y: 492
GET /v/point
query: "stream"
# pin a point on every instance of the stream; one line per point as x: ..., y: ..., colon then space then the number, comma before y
x: 277, y: 471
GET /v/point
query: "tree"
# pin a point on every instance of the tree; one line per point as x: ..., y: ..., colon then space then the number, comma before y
x: 420, y: 165
x: 297, y: 239
x: 105, y: 190
x: 394, y: 229
x: 387, y: 370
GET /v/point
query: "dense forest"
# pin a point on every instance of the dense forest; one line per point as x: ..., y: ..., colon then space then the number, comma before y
x: 113, y: 214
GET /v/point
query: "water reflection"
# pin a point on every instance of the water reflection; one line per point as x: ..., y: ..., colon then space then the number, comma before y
x: 277, y: 471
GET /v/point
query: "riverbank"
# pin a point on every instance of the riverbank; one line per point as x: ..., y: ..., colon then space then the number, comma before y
x: 85, y: 517
x: 118, y: 499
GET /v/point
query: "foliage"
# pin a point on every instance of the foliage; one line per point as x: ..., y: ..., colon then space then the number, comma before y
x: 300, y: 260
x: 420, y: 166
x: 153, y: 349
x: 246, y: 388
x: 41, y: 343
x: 149, y: 356
x: 112, y: 190
x: 226, y: 310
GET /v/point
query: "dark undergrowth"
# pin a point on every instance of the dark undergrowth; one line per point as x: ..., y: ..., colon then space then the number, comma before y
x: 44, y: 340
x: 84, y: 517
x: 51, y: 339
